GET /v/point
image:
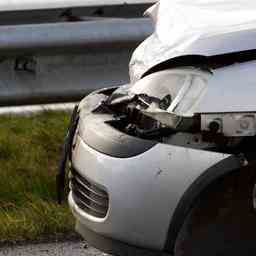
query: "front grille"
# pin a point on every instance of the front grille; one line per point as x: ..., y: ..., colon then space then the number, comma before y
x: 88, y: 196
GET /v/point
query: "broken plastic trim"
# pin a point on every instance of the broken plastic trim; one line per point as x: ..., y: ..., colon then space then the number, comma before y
x: 168, y: 97
x: 169, y: 120
x: 65, y: 154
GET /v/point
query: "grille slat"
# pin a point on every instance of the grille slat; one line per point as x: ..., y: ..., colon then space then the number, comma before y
x: 93, y: 188
x: 88, y: 196
x: 88, y: 203
x: 87, y: 208
x: 90, y: 189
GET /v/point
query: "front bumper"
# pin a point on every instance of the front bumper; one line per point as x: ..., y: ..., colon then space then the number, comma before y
x: 144, y: 190
x: 110, y: 245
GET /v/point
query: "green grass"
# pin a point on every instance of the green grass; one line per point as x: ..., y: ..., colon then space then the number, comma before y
x: 29, y: 153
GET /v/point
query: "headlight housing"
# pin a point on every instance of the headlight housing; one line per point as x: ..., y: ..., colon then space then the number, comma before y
x: 185, y: 87
x: 173, y: 97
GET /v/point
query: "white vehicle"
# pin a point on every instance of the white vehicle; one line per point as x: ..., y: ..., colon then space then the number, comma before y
x: 142, y: 154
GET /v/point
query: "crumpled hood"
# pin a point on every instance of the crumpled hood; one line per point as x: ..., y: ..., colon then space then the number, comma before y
x: 198, y: 27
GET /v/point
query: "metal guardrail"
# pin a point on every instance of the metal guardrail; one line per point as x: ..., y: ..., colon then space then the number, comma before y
x: 50, y: 4
x: 56, y: 36
x: 30, y: 110
x: 45, y: 11
x: 62, y: 62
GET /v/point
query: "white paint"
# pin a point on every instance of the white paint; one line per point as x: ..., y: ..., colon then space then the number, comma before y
x: 142, y: 199
x: 198, y: 27
x: 231, y: 89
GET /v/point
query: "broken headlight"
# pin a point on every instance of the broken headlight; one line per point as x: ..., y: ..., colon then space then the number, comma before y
x: 169, y: 97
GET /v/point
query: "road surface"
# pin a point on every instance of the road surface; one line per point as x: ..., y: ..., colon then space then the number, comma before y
x: 51, y: 249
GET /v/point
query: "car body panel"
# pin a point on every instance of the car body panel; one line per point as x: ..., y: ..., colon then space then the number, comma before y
x: 230, y: 89
x: 144, y: 191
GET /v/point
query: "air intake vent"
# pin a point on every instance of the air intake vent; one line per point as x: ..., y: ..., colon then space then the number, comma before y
x: 88, y: 196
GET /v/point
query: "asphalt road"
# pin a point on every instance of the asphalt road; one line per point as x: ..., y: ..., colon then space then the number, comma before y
x: 51, y: 249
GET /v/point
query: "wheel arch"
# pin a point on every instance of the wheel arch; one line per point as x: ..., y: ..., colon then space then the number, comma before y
x: 192, y: 194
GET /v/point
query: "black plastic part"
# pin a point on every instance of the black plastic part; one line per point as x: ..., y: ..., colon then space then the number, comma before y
x: 115, y: 247
x: 190, y: 197
x: 214, y: 126
x: 65, y: 153
x: 206, y: 62
x: 104, y: 138
x: 165, y: 102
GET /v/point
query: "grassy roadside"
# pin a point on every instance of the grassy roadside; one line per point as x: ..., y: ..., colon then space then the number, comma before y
x: 29, y: 154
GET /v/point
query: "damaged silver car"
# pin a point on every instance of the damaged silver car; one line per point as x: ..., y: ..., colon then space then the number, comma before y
x: 143, y: 154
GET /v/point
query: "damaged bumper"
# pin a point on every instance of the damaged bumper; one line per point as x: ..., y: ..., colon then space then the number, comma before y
x: 129, y: 194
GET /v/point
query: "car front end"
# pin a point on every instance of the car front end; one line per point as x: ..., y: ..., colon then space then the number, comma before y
x: 142, y: 154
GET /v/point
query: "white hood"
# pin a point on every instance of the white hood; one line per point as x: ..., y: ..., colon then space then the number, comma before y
x: 198, y: 27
